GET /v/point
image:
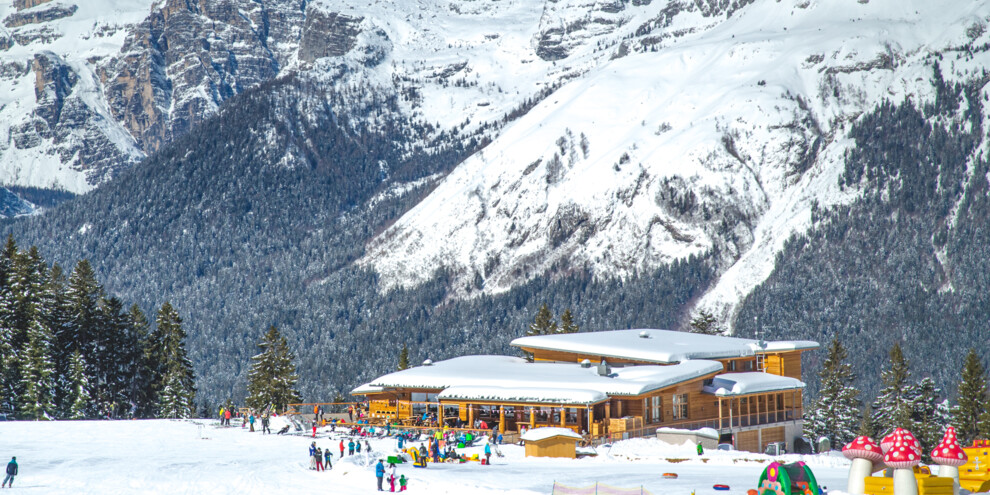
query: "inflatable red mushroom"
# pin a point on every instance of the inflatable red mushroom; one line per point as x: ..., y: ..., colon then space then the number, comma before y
x: 888, y: 440
x: 949, y: 456
x: 864, y: 454
x: 903, y: 455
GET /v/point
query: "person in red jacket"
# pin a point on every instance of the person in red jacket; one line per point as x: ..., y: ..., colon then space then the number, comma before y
x: 342, y: 448
x: 226, y: 416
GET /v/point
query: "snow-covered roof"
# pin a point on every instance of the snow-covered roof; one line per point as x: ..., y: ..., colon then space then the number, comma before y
x: 524, y: 394
x: 701, y: 432
x: 751, y: 383
x: 571, y: 378
x: 658, y: 346
x: 367, y: 388
x: 537, y: 434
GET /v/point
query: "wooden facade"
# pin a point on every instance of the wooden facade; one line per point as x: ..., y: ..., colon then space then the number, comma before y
x: 685, y: 405
x: 556, y: 446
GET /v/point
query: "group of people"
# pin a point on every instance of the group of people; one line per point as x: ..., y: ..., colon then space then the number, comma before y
x: 380, y: 474
x: 320, y: 459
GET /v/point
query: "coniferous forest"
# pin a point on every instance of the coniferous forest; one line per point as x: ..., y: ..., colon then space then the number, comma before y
x: 68, y: 350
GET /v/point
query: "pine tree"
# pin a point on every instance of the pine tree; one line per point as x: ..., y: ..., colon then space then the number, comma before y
x: 866, y: 427
x: 835, y: 414
x: 705, y: 323
x: 404, y: 358
x: 8, y: 362
x: 38, y: 375
x: 176, y: 398
x: 891, y: 408
x: 972, y: 398
x: 59, y: 321
x: 929, y: 418
x: 141, y: 391
x: 567, y: 323
x: 272, y: 379
x: 77, y: 398
x: 544, y: 323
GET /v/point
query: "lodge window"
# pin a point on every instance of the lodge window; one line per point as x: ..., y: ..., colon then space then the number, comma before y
x: 656, y: 409
x: 680, y: 406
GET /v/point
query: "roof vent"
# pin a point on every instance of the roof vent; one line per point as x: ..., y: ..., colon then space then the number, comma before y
x: 604, y: 369
x: 428, y: 362
x: 644, y: 334
x: 585, y: 363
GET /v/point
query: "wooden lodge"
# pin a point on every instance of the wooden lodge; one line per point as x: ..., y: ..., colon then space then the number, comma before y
x: 612, y: 384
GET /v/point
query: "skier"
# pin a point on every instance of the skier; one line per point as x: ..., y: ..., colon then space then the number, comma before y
x: 357, y: 446
x: 11, y: 472
x: 380, y: 473
x: 488, y: 453
x: 264, y: 425
x: 226, y: 416
x: 701, y: 449
x: 327, y: 455
x: 402, y: 483
x: 312, y: 455
x: 341, y: 448
x: 367, y: 447
x: 319, y: 459
x: 350, y: 447
x: 251, y: 422
x: 401, y: 441
x: 391, y: 477
x: 422, y: 455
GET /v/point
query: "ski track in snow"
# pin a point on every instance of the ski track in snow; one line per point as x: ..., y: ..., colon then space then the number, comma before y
x: 168, y: 457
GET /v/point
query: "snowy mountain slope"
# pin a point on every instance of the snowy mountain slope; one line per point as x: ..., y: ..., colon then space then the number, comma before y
x: 56, y: 130
x: 720, y: 141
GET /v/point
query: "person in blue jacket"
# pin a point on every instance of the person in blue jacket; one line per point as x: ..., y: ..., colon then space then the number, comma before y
x: 402, y: 441
x: 380, y: 474
x: 12, y: 471
x: 488, y: 453
x: 350, y: 447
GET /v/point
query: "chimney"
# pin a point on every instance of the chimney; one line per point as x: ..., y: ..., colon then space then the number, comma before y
x: 604, y: 369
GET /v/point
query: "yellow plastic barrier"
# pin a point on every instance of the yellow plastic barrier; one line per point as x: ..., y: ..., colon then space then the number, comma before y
x: 927, y: 485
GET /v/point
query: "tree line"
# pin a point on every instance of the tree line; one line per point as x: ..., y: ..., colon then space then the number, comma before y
x: 68, y: 350
x: 841, y: 414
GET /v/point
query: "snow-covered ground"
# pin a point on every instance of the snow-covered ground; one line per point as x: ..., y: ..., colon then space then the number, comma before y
x: 197, y: 457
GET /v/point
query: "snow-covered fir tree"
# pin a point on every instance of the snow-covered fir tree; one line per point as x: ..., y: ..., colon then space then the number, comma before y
x: 272, y: 379
x: 403, y: 358
x: 177, y: 383
x: 891, y: 409
x: 972, y: 398
x: 77, y: 398
x: 141, y: 388
x: 567, y: 322
x: 929, y: 415
x: 835, y: 414
x: 37, y: 400
x: 543, y: 323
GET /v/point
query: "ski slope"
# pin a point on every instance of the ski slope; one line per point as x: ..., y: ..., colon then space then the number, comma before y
x: 197, y: 457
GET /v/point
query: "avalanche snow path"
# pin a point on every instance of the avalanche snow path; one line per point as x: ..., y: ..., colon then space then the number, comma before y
x: 180, y: 457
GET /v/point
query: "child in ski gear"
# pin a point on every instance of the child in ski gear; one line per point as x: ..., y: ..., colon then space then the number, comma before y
x: 326, y: 457
x: 284, y: 430
x: 701, y: 449
x: 350, y: 447
x: 402, y: 483
x: 380, y: 474
x: 319, y: 459
x: 11, y: 472
x: 264, y: 425
x: 391, y: 477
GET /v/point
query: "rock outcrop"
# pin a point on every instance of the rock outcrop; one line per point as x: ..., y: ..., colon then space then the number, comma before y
x: 327, y: 34
x: 53, y: 13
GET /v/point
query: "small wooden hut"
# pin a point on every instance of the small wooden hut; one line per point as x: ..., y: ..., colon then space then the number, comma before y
x: 551, y: 442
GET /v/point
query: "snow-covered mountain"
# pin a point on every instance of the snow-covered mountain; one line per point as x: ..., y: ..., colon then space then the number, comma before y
x: 680, y: 129
x: 623, y: 134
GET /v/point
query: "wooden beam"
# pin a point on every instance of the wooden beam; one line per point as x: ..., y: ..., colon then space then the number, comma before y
x: 501, y: 419
x: 720, y: 415
x: 563, y: 416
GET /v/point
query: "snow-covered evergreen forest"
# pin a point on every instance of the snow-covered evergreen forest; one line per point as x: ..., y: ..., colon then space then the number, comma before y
x: 69, y: 350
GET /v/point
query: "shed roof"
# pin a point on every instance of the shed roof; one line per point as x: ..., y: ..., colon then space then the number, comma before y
x: 732, y: 384
x: 537, y: 434
x: 658, y: 346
